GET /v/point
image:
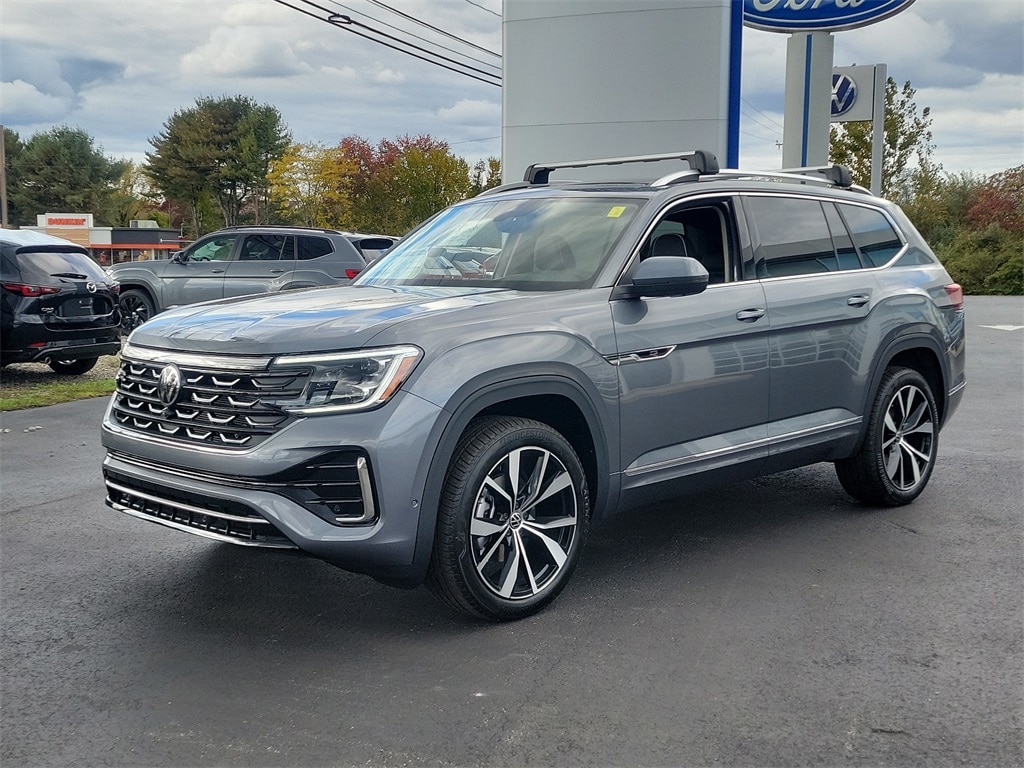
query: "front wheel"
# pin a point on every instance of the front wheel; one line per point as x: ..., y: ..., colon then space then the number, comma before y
x: 136, y: 308
x: 73, y: 367
x: 512, y: 520
x: 896, y: 459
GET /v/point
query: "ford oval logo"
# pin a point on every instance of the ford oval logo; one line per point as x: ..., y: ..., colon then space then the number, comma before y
x: 810, y: 15
x: 844, y: 94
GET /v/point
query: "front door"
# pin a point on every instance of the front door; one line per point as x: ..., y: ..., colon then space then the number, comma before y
x: 693, y: 370
x: 199, y: 277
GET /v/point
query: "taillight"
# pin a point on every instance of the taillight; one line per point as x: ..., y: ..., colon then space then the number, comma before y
x: 956, y: 295
x: 30, y: 290
x: 351, y: 273
x: 115, y: 288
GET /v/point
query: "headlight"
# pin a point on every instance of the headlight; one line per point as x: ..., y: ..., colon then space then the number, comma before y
x: 347, y: 381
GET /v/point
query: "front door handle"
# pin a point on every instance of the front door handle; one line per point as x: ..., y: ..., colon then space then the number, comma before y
x: 276, y: 271
x: 216, y: 271
x: 750, y: 315
x: 858, y: 301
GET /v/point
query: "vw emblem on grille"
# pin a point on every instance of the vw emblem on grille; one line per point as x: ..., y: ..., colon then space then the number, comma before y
x: 169, y: 386
x: 90, y: 287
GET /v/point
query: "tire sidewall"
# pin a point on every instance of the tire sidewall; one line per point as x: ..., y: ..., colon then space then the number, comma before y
x: 891, y: 385
x: 525, y: 434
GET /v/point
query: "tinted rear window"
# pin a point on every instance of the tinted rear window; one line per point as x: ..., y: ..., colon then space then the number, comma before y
x: 40, y: 267
x: 313, y: 247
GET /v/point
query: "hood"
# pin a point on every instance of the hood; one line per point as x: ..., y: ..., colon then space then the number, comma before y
x: 311, y: 320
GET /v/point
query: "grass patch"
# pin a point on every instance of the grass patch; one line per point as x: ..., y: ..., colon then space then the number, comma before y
x: 52, y: 393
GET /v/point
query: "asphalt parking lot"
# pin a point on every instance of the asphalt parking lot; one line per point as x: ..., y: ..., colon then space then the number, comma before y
x: 770, y: 623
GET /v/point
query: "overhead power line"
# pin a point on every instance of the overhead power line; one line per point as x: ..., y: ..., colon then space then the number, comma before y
x: 346, y: 23
x: 419, y: 37
x: 482, y: 8
x: 431, y: 27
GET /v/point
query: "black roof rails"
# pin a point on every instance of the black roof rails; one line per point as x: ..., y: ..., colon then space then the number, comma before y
x: 700, y: 160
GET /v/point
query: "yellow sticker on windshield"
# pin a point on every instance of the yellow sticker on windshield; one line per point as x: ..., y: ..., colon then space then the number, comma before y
x: 617, y: 211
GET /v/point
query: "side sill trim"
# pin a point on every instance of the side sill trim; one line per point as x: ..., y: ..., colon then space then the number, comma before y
x: 733, y: 449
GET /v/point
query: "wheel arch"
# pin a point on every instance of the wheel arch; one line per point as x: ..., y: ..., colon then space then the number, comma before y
x: 921, y: 353
x: 558, y: 400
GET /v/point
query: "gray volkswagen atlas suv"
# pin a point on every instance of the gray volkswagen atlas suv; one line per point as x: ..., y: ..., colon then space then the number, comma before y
x: 539, y: 358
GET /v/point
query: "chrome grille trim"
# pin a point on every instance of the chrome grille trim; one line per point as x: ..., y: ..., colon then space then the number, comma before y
x: 186, y: 507
x: 247, y: 530
x: 218, y: 406
x: 192, y: 360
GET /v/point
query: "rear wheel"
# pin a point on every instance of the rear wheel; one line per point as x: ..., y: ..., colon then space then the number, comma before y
x: 136, y: 308
x: 512, y: 520
x: 896, y: 459
x: 73, y: 367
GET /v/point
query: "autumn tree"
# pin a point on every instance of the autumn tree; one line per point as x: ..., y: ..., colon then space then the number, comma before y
x: 486, y: 175
x: 398, y: 183
x: 309, y: 185
x: 60, y: 170
x: 220, y: 150
x: 908, y: 137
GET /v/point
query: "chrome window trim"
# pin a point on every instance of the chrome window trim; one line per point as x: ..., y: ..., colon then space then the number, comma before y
x: 826, y: 199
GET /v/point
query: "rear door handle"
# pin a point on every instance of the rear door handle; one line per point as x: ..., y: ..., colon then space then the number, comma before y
x: 858, y: 301
x: 750, y: 315
x: 276, y: 271
x: 216, y: 271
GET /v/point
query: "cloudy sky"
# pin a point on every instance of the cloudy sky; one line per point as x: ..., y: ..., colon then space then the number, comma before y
x: 120, y: 69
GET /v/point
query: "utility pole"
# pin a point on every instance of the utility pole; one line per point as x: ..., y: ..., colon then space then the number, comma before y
x: 3, y: 181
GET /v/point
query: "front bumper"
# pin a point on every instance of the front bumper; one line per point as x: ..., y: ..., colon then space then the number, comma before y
x: 273, y: 496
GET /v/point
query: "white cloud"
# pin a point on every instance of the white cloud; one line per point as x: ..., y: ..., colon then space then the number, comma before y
x: 242, y: 52
x: 472, y: 112
x: 389, y: 76
x: 24, y: 103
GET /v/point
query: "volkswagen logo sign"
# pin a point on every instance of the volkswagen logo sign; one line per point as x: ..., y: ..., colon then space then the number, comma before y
x: 844, y: 94
x: 90, y: 287
x: 169, y: 385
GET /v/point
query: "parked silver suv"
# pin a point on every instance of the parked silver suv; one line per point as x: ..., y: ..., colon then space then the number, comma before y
x: 243, y: 260
x: 542, y: 357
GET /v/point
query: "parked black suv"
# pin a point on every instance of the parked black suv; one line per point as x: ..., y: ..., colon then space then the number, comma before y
x: 58, y: 305
x: 541, y: 357
x: 242, y: 260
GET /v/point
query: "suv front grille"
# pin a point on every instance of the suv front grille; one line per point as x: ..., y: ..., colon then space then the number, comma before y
x: 219, y: 408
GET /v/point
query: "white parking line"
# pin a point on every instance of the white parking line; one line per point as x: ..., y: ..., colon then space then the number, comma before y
x: 1003, y: 327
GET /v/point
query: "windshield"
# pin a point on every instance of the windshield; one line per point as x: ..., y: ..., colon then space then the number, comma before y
x: 535, y: 244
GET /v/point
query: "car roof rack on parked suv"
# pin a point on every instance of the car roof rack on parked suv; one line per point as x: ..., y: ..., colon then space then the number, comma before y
x: 700, y: 160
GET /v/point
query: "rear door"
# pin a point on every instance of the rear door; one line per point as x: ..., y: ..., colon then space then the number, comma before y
x: 265, y: 262
x: 820, y: 298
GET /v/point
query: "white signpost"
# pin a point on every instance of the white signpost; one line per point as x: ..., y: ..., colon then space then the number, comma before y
x: 858, y: 94
x: 809, y: 94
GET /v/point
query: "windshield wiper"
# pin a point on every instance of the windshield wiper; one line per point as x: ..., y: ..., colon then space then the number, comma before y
x: 71, y: 275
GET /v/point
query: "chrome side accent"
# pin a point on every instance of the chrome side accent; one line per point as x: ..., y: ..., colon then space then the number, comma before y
x: 641, y: 356
x: 957, y: 388
x: 366, y: 490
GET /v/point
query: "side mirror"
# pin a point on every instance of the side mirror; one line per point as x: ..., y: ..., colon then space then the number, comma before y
x: 665, y: 276
x: 179, y: 257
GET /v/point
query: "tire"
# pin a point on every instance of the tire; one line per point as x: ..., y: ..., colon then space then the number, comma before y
x: 136, y: 308
x: 894, y: 463
x: 502, y: 556
x: 73, y: 367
